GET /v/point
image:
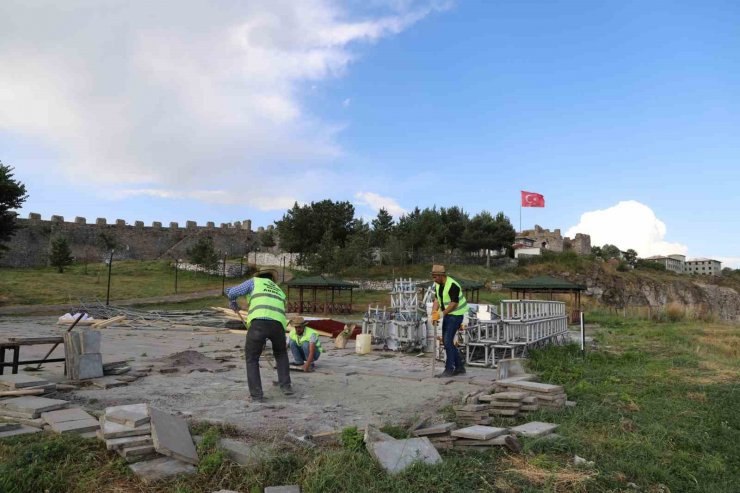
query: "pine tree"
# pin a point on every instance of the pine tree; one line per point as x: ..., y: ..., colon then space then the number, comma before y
x: 60, y: 255
x: 12, y: 196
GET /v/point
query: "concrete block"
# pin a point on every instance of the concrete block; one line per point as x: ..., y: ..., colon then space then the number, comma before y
x: 478, y: 432
x: 90, y: 341
x: 20, y: 381
x: 89, y: 366
x: 23, y: 430
x: 32, y: 405
x: 137, y: 451
x: 508, y: 396
x: 293, y: 488
x: 81, y: 426
x: 436, y: 429
x: 509, y: 367
x: 395, y: 456
x: 171, y: 436
x: 534, y: 429
x: 117, y: 443
x: 162, y: 468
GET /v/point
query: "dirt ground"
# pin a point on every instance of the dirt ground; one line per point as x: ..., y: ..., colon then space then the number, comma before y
x: 347, y: 389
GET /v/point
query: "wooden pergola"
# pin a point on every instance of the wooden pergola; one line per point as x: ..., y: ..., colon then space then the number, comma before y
x: 318, y: 294
x: 525, y: 288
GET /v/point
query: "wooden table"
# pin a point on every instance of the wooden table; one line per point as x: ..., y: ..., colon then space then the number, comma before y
x: 14, y: 344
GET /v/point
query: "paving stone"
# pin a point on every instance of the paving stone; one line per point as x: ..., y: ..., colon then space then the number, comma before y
x: 509, y: 367
x: 508, y: 396
x: 23, y: 430
x: 20, y: 381
x: 436, y: 429
x: 243, y: 453
x: 534, y: 429
x: 89, y: 434
x: 394, y: 456
x: 117, y: 443
x: 32, y: 405
x: 162, y: 468
x: 137, y: 451
x: 478, y: 432
x: 90, y: 342
x: 127, y: 417
x: 107, y: 383
x: 114, y: 430
x: 171, y: 436
x: 36, y: 423
x: 72, y: 414
x: 9, y: 426
x: 89, y: 366
x: 293, y: 488
x: 81, y: 426
x: 542, y: 388
x: 225, y: 491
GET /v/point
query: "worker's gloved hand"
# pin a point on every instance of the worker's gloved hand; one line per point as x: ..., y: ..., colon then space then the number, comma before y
x: 435, y: 317
x: 306, y: 367
x: 234, y: 306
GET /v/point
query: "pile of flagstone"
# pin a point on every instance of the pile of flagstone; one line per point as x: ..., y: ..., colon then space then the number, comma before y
x: 17, y: 385
x: 32, y: 414
x: 546, y: 395
x: 156, y: 444
x: 447, y: 435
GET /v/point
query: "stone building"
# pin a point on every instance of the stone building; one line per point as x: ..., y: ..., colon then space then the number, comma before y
x: 704, y: 266
x: 553, y: 240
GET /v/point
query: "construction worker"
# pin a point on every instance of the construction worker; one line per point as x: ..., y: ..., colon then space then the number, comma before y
x: 304, y: 343
x: 265, y: 320
x: 451, y: 300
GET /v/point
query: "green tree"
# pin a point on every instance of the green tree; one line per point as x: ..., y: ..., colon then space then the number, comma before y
x: 421, y: 231
x: 455, y: 220
x: 60, y: 255
x: 324, y: 260
x: 12, y: 196
x: 630, y: 256
x: 107, y: 241
x: 302, y: 228
x: 382, y: 228
x: 357, y: 252
x: 267, y: 239
x: 610, y: 251
x: 596, y: 251
x: 203, y: 253
x: 486, y: 232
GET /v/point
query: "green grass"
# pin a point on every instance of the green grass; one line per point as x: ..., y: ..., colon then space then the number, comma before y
x: 656, y: 405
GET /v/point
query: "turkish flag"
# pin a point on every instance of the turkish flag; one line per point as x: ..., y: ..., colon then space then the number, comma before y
x: 531, y: 199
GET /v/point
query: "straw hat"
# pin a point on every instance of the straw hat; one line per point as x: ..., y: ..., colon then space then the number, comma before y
x: 297, y: 321
x: 438, y: 269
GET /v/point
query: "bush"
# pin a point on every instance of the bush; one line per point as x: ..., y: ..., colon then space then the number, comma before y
x: 203, y: 254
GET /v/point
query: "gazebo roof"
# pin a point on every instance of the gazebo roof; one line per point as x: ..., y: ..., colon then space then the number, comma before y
x: 464, y: 283
x: 544, y: 283
x: 319, y: 282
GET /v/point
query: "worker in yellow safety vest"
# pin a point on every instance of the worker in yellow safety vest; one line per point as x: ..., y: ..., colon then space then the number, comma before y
x: 304, y: 344
x: 265, y: 321
x: 451, y: 301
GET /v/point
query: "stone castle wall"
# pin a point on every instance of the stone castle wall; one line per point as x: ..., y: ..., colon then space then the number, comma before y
x: 555, y: 241
x: 30, y: 245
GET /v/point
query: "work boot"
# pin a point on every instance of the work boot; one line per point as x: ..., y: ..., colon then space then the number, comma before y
x: 445, y: 374
x: 287, y: 389
x: 257, y: 400
x: 459, y: 371
x: 295, y: 363
x: 513, y: 444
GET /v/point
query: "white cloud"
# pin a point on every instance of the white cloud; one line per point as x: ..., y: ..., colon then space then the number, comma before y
x: 731, y: 262
x: 264, y: 202
x: 377, y: 202
x: 629, y: 224
x: 183, y: 97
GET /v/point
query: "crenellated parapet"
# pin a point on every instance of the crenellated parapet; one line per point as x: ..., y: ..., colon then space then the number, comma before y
x: 30, y: 245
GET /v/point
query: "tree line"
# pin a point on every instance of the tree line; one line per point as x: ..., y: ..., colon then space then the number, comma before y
x: 328, y: 237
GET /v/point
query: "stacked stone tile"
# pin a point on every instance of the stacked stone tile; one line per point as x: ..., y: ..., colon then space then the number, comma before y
x: 439, y: 435
x: 473, y: 414
x: 157, y: 445
x: 25, y: 384
x: 548, y: 396
x: 31, y: 414
x: 82, y: 354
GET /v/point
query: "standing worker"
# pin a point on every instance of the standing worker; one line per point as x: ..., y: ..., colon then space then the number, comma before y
x: 304, y: 343
x: 450, y: 299
x: 265, y: 320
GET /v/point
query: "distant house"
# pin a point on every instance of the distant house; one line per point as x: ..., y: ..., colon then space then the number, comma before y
x: 704, y: 266
x: 524, y: 245
x: 674, y: 263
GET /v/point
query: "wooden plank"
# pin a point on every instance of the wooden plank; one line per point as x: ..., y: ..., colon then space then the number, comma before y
x: 6, y: 393
x: 30, y: 341
x: 104, y: 323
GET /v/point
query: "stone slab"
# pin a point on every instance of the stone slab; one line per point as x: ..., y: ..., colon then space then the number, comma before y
x: 162, y: 468
x: 62, y: 415
x: 20, y: 381
x: 114, y: 430
x: 478, y: 432
x: 81, y: 426
x: 506, y: 404
x: 141, y: 408
x: 136, y: 451
x: 534, y: 429
x: 395, y: 456
x: 117, y: 443
x: 131, y: 418
x: 293, y: 488
x: 543, y: 388
x: 245, y: 454
x: 89, y: 366
x: 499, y: 440
x: 90, y: 342
x: 9, y: 426
x: 436, y: 429
x: 171, y: 436
x: 508, y: 396
x: 32, y: 405
x: 36, y: 423
x: 23, y: 430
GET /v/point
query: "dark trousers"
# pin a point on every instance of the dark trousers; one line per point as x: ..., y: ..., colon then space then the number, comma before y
x: 450, y: 326
x: 257, y: 335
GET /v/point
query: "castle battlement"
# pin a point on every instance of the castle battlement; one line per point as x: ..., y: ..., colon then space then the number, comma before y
x: 35, y: 218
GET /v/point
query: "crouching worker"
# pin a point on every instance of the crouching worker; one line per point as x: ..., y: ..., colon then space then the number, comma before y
x: 304, y: 344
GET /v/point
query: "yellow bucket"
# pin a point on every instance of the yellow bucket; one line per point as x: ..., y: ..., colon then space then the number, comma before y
x: 362, y: 344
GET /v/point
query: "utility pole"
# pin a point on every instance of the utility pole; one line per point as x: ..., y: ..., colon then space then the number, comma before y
x: 223, y: 277
x: 177, y: 264
x: 110, y: 264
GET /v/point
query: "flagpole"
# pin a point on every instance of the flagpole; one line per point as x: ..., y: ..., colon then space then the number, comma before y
x: 520, y: 212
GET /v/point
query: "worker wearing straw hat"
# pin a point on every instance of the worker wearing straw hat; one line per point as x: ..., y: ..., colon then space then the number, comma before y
x: 451, y: 301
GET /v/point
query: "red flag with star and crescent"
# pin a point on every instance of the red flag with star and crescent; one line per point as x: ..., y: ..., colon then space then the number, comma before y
x: 531, y: 199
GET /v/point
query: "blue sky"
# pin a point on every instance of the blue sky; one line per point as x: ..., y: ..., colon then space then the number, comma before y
x: 624, y: 115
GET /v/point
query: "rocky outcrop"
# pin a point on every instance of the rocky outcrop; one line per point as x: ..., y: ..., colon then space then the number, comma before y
x: 631, y: 289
